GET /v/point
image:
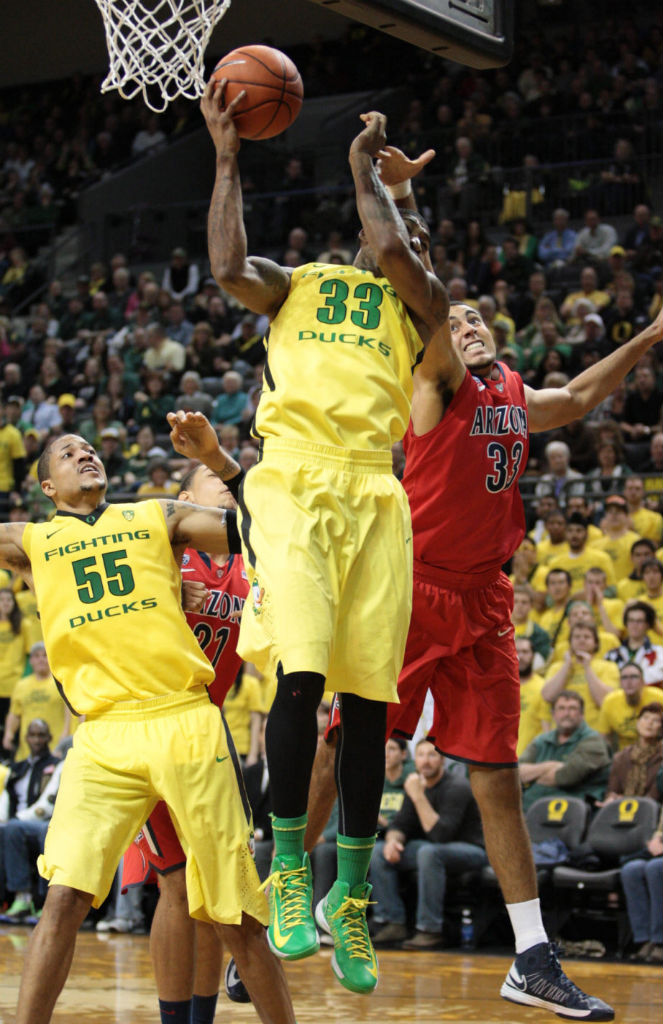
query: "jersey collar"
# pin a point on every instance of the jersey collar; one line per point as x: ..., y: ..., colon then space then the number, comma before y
x: 90, y: 519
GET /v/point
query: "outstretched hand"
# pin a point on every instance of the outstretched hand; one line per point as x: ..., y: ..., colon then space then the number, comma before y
x: 374, y: 135
x: 219, y: 117
x: 192, y: 435
x: 395, y: 167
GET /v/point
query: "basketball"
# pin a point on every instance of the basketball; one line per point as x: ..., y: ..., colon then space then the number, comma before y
x: 274, y: 90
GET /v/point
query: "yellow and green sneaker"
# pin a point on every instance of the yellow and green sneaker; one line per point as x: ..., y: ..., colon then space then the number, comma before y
x: 291, y: 934
x: 342, y: 913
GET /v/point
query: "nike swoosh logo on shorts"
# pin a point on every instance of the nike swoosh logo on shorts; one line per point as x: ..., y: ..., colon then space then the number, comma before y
x: 220, y: 759
x: 503, y: 632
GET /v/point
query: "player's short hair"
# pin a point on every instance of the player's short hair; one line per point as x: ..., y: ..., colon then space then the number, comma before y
x: 416, y: 216
x: 576, y: 519
x: 191, y: 470
x: 569, y: 695
x: 646, y: 609
x: 44, y: 462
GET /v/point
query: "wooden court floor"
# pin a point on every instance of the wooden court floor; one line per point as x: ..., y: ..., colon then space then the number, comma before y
x: 111, y: 983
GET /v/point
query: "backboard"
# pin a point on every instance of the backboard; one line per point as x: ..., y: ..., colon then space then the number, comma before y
x: 478, y: 33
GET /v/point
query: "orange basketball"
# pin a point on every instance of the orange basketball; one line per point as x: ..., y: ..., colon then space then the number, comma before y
x: 273, y: 85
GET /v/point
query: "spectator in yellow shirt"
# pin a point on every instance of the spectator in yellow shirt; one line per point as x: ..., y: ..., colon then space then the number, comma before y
x: 652, y: 594
x: 642, y: 550
x: 12, y: 462
x: 582, y: 670
x: 579, y: 558
x: 620, y: 709
x: 554, y: 542
x: 579, y: 613
x: 579, y: 503
x: 644, y: 521
x: 35, y: 696
x: 617, y: 539
x: 15, y: 642
x: 242, y: 709
x: 558, y: 592
x: 535, y: 712
x: 159, y: 482
x: 525, y: 626
x: 608, y: 611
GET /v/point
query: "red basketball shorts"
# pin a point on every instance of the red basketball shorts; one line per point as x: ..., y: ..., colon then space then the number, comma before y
x: 461, y: 647
x: 156, y: 848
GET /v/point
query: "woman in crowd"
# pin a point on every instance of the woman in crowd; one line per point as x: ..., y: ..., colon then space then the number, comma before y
x: 16, y: 638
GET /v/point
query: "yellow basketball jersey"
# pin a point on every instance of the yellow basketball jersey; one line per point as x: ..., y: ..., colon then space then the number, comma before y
x: 340, y: 357
x: 108, y: 590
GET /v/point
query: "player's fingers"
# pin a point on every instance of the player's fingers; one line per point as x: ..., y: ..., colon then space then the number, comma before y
x: 232, y: 106
x: 424, y: 159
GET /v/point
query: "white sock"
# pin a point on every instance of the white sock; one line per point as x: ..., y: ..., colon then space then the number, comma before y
x: 527, y: 924
x: 23, y: 897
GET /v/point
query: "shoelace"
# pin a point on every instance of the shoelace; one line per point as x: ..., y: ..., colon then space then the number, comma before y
x: 292, y: 887
x: 354, y: 928
x: 561, y: 979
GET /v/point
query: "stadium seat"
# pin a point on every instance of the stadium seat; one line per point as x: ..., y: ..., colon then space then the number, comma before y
x: 563, y: 818
x: 212, y: 386
x: 620, y: 829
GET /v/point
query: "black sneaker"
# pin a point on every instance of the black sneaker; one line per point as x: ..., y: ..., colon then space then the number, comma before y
x: 235, y: 987
x: 536, y: 978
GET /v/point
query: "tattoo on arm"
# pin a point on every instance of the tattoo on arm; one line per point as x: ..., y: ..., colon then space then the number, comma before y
x: 170, y: 509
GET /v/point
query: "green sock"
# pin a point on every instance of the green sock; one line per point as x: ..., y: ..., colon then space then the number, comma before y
x: 289, y: 835
x: 354, y: 856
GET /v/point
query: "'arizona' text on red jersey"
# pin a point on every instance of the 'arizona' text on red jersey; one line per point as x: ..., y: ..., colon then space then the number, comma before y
x: 216, y: 626
x: 461, y: 477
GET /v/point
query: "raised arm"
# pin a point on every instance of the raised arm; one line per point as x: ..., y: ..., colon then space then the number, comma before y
x: 259, y: 284
x: 422, y: 292
x: 196, y: 526
x: 12, y: 554
x: 441, y: 371
x: 555, y: 407
x: 192, y: 435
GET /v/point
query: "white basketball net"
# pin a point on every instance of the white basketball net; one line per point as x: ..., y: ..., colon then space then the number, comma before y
x: 156, y: 47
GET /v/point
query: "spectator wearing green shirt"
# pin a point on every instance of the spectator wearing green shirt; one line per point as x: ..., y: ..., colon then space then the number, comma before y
x: 571, y: 760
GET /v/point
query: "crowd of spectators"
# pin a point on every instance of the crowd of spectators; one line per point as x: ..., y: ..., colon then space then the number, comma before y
x: 111, y: 353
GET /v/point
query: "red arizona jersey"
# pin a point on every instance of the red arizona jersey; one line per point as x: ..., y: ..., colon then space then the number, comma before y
x: 461, y: 477
x: 215, y: 630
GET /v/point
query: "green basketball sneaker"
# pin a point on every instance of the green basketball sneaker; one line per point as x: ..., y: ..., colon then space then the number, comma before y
x: 342, y: 913
x: 292, y: 934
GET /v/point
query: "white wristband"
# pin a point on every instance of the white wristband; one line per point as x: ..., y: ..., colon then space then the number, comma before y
x: 400, y: 191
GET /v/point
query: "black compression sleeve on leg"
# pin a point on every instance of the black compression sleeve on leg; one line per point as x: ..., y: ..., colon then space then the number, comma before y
x: 291, y: 739
x: 360, y: 764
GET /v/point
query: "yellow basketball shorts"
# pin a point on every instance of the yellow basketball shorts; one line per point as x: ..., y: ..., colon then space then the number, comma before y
x: 327, y: 539
x: 174, y: 748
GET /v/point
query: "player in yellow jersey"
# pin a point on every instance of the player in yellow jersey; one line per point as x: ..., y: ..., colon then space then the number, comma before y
x: 325, y: 525
x: 108, y: 588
